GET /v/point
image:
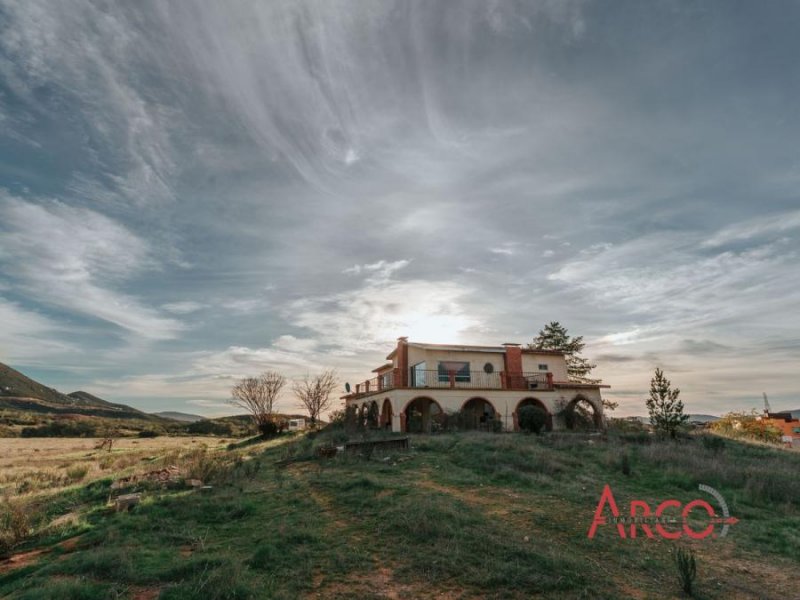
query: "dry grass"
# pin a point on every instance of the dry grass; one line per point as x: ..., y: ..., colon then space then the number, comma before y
x: 32, y: 466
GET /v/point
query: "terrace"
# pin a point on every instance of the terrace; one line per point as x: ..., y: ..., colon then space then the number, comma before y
x: 452, y: 379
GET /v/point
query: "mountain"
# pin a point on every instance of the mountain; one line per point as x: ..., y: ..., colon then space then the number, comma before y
x: 19, y: 392
x: 178, y: 416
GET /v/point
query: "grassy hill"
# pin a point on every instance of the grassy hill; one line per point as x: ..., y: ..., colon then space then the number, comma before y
x: 178, y: 416
x: 458, y: 516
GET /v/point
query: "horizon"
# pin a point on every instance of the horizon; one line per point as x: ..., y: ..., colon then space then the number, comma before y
x: 188, y: 197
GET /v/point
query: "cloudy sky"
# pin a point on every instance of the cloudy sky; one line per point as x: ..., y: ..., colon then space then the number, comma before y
x: 193, y: 192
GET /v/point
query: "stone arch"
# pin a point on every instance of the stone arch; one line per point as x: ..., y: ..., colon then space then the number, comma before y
x: 582, y: 413
x: 531, y: 401
x: 420, y: 415
x: 386, y: 414
x: 478, y: 413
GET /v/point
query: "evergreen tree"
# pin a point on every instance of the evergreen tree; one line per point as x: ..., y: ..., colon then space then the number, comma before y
x: 555, y: 336
x: 664, y: 406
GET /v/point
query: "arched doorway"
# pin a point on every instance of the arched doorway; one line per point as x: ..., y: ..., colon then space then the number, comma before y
x: 421, y: 415
x: 373, y: 415
x: 386, y: 414
x: 362, y: 416
x: 478, y: 413
x: 581, y: 414
x: 538, y: 404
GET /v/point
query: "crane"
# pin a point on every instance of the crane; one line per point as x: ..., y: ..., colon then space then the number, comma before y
x: 766, y: 404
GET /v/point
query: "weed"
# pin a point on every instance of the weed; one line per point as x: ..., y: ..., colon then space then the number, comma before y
x: 686, y: 565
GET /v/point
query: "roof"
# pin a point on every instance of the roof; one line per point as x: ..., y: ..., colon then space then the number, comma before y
x: 468, y: 348
x: 383, y: 367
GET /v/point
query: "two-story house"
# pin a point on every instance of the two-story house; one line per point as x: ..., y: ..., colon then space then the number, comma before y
x: 421, y: 383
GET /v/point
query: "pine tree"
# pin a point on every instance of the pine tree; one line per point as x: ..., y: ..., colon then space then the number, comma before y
x: 664, y: 406
x: 554, y: 336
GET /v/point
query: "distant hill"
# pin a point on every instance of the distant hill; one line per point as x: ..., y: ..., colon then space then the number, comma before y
x: 26, y: 403
x: 178, y: 416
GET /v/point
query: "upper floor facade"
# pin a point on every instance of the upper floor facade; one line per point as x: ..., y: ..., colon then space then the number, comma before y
x: 509, y: 367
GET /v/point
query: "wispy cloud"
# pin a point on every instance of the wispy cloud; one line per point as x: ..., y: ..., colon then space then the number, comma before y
x: 74, y: 258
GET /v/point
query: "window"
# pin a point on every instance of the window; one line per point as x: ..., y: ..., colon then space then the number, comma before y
x: 542, y: 367
x: 386, y: 379
x: 461, y: 371
x: 418, y: 375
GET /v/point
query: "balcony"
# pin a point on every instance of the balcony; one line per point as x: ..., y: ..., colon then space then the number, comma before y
x: 475, y: 380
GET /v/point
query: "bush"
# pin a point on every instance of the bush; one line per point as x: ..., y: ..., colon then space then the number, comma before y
x: 15, y: 525
x: 687, y: 569
x: 532, y: 419
x: 148, y: 434
x: 268, y: 429
x: 208, y: 427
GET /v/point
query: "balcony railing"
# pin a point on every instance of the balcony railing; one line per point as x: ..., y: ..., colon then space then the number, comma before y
x: 474, y: 380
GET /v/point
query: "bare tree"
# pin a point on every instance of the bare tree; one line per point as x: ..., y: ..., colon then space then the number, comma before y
x: 257, y: 396
x: 315, y: 393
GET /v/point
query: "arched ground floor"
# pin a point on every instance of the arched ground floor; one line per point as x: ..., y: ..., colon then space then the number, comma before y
x: 427, y: 410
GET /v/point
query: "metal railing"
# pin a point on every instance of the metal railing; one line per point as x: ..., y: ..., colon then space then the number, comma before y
x: 438, y: 379
x: 472, y: 380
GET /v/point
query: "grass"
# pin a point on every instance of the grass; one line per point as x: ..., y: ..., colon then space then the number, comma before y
x: 460, y: 516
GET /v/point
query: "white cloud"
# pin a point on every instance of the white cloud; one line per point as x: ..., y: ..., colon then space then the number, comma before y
x: 27, y: 337
x: 184, y: 307
x: 73, y: 258
x: 753, y: 228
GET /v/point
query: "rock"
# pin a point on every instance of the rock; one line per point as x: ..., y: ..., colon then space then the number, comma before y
x: 127, y: 502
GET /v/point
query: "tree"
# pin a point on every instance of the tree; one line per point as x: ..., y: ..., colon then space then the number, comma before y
x: 315, y: 393
x: 664, y: 406
x: 257, y: 396
x: 555, y: 336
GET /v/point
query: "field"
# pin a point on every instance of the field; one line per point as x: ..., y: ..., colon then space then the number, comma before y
x: 458, y: 516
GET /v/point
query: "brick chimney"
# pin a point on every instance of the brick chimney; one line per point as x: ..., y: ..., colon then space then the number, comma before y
x: 512, y: 359
x: 401, y: 372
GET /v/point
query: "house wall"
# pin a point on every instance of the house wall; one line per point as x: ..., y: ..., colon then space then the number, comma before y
x: 476, y: 360
x: 504, y: 401
x: 557, y: 365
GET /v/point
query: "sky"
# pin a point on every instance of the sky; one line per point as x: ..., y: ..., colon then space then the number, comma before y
x: 194, y: 192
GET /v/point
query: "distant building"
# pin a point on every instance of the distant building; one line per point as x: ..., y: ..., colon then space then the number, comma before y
x: 788, y: 426
x: 486, y: 384
x: 297, y: 424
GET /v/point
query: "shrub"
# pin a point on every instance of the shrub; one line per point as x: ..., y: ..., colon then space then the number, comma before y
x: 625, y: 464
x: 268, y: 428
x: 687, y: 569
x: 532, y: 419
x: 208, y: 427
x: 77, y: 472
x: 15, y: 525
x: 148, y: 434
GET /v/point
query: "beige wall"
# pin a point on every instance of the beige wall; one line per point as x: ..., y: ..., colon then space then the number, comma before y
x: 504, y: 401
x: 556, y: 365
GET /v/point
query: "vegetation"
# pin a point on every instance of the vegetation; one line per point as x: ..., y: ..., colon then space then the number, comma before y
x: 257, y: 396
x: 314, y: 392
x: 532, y: 419
x: 686, y: 564
x: 664, y: 406
x: 555, y: 336
x: 469, y: 515
x: 747, y: 426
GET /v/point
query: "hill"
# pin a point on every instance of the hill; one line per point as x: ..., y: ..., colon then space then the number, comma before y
x: 178, y: 416
x: 29, y: 408
x: 463, y: 516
